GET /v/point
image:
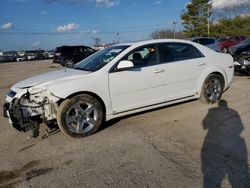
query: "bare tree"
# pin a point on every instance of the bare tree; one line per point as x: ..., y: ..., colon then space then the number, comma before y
x: 168, y: 33
x: 234, y: 11
x: 97, y: 41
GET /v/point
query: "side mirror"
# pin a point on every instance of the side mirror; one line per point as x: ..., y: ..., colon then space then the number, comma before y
x: 125, y: 64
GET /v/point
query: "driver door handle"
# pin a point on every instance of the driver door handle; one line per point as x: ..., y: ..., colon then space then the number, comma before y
x: 201, y: 63
x: 156, y: 71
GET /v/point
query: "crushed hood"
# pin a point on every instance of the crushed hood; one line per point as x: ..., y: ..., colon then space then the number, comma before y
x: 50, y: 76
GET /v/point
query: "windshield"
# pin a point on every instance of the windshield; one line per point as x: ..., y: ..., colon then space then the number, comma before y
x: 100, y: 59
x: 221, y: 39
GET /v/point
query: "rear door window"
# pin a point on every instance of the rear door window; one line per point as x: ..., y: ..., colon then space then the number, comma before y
x: 171, y: 52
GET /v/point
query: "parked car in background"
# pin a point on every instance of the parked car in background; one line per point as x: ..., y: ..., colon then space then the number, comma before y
x: 48, y: 54
x: 39, y: 55
x: 117, y: 81
x: 242, y: 64
x: 240, y: 49
x: 207, y: 41
x: 8, y: 56
x: 222, y: 39
x: 241, y: 55
x: 1, y: 57
x: 231, y: 41
x: 20, y: 58
x: 30, y: 55
x: 70, y: 55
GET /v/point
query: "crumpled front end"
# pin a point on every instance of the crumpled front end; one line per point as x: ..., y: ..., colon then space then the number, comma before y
x: 27, y: 108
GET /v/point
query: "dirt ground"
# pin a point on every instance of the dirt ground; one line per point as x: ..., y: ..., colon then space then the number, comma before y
x: 186, y: 145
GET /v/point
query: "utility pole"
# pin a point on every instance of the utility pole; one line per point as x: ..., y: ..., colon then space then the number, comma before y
x: 208, y: 24
x: 174, y: 23
x: 117, y: 38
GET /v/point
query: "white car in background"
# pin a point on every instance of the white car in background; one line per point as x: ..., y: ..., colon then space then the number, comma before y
x: 117, y: 81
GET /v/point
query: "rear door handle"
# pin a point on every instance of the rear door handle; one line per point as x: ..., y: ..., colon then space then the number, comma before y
x: 201, y: 63
x: 156, y: 71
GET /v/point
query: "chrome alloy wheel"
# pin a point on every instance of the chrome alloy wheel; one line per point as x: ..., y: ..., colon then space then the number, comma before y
x: 81, y: 117
x: 213, y: 89
x: 69, y: 63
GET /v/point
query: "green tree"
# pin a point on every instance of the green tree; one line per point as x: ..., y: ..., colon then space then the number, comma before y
x: 196, y: 17
x: 239, y: 25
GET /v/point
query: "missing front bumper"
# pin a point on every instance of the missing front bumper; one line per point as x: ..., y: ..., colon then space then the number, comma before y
x: 16, y: 118
x: 5, y: 110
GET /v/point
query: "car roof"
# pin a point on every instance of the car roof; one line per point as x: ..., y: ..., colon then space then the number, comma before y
x: 146, y: 42
x: 66, y: 46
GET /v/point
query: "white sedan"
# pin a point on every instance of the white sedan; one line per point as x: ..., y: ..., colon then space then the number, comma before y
x: 117, y: 81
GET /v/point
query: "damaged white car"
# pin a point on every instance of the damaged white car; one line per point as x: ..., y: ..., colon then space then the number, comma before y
x: 117, y: 81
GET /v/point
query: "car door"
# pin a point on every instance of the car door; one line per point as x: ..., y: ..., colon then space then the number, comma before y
x: 183, y: 67
x: 141, y: 85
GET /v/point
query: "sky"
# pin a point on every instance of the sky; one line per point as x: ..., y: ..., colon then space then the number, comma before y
x: 46, y: 24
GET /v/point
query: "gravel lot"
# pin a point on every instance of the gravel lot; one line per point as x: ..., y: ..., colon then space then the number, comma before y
x: 186, y: 145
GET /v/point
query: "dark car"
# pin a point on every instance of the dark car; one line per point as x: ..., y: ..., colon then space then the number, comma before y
x: 241, y: 55
x: 231, y: 41
x: 242, y: 64
x: 70, y: 55
x: 241, y: 49
x: 207, y: 41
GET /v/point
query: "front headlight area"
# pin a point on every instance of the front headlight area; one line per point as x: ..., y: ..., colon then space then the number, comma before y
x: 45, y: 100
x: 35, y: 106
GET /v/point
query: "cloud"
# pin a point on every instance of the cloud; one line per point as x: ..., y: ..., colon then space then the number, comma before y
x: 158, y: 2
x: 99, y: 3
x: 6, y: 26
x: 44, y: 12
x: 107, y: 3
x: 89, y: 32
x: 228, y: 3
x: 67, y: 27
x: 35, y: 44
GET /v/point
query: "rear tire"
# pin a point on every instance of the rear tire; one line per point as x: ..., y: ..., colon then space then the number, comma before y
x: 212, y: 89
x: 69, y: 63
x: 80, y: 116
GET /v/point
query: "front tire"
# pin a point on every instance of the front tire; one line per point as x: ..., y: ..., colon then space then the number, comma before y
x: 80, y: 116
x: 212, y: 89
